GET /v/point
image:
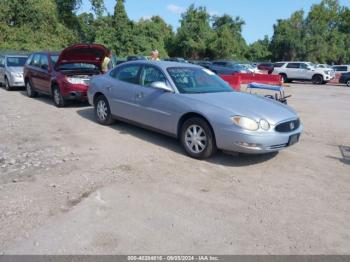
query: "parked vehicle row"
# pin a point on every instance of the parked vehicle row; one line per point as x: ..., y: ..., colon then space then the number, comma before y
x: 182, y: 100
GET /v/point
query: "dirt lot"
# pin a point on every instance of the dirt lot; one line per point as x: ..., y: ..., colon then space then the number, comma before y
x: 71, y: 186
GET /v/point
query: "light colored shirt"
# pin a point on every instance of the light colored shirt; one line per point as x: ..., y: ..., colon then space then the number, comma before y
x: 105, y: 64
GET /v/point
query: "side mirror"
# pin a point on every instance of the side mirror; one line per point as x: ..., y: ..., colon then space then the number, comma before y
x: 162, y: 86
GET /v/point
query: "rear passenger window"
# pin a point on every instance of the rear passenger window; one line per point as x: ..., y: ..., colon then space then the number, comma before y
x: 293, y: 65
x: 127, y: 74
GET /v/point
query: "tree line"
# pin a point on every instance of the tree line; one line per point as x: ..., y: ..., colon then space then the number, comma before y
x: 322, y: 35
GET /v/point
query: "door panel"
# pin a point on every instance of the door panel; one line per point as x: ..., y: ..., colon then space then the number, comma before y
x: 33, y: 71
x: 43, y: 75
x: 121, y: 91
x: 154, y: 105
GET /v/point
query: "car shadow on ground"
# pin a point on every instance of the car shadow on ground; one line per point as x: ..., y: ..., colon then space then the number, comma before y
x: 173, y: 144
x: 345, y: 152
x: 48, y: 100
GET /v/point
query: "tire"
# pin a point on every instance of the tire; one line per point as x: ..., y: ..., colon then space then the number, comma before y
x: 57, y: 97
x: 30, y: 92
x: 7, y: 84
x: 103, y: 111
x: 348, y: 83
x: 317, y: 79
x: 197, y: 138
x: 284, y: 78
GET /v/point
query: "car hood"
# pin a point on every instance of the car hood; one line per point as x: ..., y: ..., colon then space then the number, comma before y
x: 15, y: 69
x: 253, y: 106
x: 82, y: 53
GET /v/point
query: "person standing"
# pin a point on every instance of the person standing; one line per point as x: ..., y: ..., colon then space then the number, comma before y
x: 155, y: 55
x: 106, y: 62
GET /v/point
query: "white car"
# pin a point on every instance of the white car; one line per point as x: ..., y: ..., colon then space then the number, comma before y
x: 303, y: 71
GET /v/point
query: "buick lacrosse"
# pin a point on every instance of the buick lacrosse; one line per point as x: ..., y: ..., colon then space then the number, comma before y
x: 194, y: 105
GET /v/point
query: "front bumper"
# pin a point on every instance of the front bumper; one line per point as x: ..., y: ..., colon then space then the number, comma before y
x: 16, y: 81
x: 260, y: 143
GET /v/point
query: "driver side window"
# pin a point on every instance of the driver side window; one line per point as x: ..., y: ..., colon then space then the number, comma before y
x: 150, y: 75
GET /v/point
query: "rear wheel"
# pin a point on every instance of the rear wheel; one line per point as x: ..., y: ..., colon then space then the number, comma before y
x: 317, y: 79
x: 7, y: 84
x: 30, y: 92
x: 348, y: 83
x: 103, y: 111
x: 57, y: 97
x: 197, y: 138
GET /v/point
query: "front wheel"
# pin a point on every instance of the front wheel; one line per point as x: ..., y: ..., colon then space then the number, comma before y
x: 7, y: 84
x: 57, y: 97
x: 103, y: 111
x: 30, y: 92
x: 348, y: 83
x: 197, y: 138
x: 317, y: 79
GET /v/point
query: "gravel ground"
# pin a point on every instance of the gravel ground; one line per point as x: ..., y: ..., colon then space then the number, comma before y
x: 71, y: 186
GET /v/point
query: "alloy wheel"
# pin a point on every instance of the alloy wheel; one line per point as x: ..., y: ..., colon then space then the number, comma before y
x: 195, y: 139
x: 102, y: 110
x: 57, y: 96
x: 29, y: 89
x: 7, y: 84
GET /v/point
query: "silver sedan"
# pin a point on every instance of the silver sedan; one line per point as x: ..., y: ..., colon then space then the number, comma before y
x: 194, y: 105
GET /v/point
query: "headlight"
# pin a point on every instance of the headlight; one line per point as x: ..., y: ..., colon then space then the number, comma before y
x: 245, y: 123
x: 264, y: 124
x: 16, y: 74
x: 75, y: 80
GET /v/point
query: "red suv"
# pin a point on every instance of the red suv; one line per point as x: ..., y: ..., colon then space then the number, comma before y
x: 64, y: 76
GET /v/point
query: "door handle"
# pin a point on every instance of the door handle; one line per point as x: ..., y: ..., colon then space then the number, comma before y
x: 139, y: 95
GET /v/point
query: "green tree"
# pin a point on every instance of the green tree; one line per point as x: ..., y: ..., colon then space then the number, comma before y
x: 227, y: 40
x: 194, y: 34
x: 150, y: 34
x: 32, y: 25
x: 259, y: 50
x: 288, y: 38
x: 122, y: 30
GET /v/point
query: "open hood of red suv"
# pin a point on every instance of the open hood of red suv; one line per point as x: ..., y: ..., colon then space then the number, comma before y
x: 83, y: 53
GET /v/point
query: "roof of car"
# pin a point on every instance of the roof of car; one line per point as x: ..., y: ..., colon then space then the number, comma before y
x: 161, y: 64
x: 14, y: 54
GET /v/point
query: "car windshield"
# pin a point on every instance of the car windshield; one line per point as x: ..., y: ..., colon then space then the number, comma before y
x: 191, y: 80
x: 78, y: 66
x: 16, y: 61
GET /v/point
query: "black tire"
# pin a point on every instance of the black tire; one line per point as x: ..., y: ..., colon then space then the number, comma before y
x: 207, y: 147
x: 317, y: 80
x: 348, y: 83
x: 103, y: 111
x: 57, y: 97
x: 7, y: 84
x: 29, y: 89
x: 284, y: 78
